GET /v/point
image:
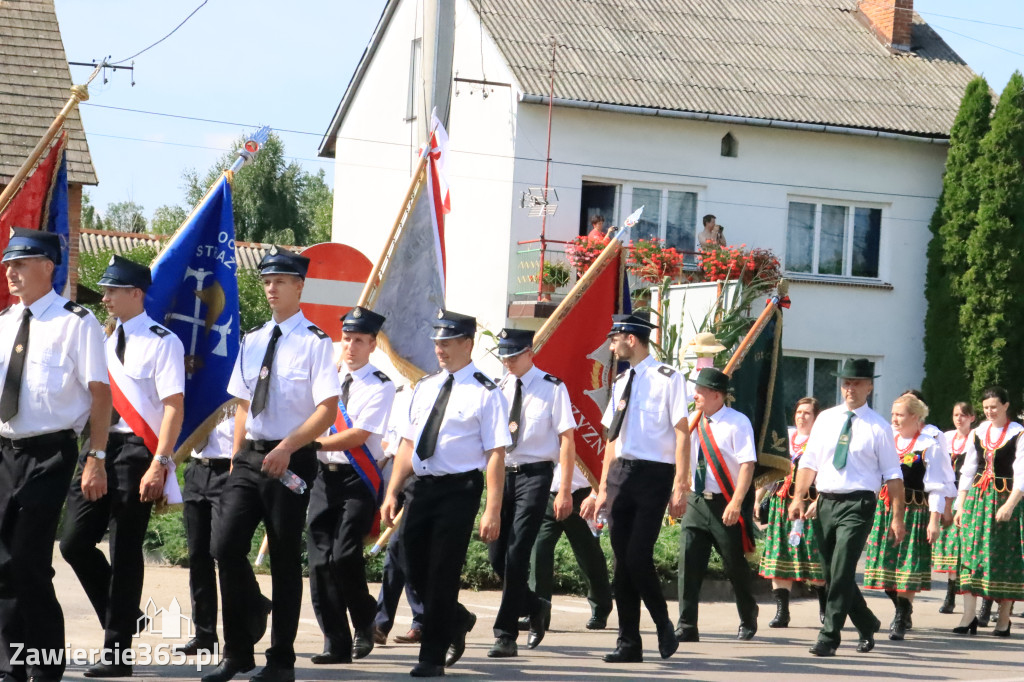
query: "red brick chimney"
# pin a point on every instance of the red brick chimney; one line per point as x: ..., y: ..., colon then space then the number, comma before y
x: 890, y: 20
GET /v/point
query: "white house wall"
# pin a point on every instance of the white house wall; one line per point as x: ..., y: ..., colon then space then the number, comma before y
x: 749, y: 194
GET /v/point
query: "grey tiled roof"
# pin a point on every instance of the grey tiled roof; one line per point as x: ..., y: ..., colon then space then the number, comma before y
x: 247, y: 254
x: 34, y: 85
x: 807, y: 61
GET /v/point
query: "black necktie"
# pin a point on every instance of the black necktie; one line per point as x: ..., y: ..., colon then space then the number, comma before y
x: 259, y: 396
x: 428, y: 439
x: 121, y: 343
x: 515, y: 417
x: 620, y: 409
x: 345, y: 385
x: 15, y: 367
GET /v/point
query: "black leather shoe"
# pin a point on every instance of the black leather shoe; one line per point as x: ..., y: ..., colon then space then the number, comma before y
x: 195, y: 645
x: 362, y: 643
x: 624, y: 655
x: 746, y: 633
x: 458, y: 645
x: 426, y: 670
x: 328, y: 657
x: 866, y: 644
x: 524, y: 623
x: 259, y: 624
x: 539, y: 623
x: 228, y: 668
x: 667, y: 642
x: 504, y: 647
x: 596, y: 623
x: 823, y: 649
x: 687, y: 635
x: 274, y: 674
x: 108, y: 670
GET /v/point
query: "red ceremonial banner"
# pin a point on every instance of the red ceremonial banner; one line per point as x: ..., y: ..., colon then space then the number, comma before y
x: 577, y: 353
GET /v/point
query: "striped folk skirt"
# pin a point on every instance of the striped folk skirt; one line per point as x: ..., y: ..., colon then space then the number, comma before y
x: 800, y: 563
x: 906, y: 567
x: 946, y: 551
x: 992, y: 560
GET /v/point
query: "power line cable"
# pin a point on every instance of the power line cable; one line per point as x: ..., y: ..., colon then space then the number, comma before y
x: 979, y: 40
x: 146, y: 49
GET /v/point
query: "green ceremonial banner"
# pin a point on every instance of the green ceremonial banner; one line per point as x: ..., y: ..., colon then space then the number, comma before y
x: 757, y: 392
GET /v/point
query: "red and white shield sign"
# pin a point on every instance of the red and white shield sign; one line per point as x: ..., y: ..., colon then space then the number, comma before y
x: 336, y: 277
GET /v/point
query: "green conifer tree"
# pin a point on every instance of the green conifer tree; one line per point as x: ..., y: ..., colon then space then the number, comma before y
x: 992, y: 317
x: 945, y: 378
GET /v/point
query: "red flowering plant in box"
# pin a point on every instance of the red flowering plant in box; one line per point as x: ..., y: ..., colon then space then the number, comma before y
x: 721, y: 263
x: 652, y: 261
x: 583, y: 251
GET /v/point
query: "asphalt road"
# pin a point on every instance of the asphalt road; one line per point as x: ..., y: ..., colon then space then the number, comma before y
x: 570, y: 652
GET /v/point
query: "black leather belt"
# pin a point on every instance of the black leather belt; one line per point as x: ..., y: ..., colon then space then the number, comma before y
x: 125, y: 438
x: 335, y: 467
x: 42, y: 440
x: 448, y: 477
x: 846, y: 497
x: 642, y: 464
x: 529, y: 468
x: 213, y: 462
x: 265, y: 446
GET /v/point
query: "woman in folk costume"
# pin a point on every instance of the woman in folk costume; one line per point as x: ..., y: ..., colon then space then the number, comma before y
x: 905, y: 568
x: 783, y: 563
x: 989, y: 516
x: 946, y: 551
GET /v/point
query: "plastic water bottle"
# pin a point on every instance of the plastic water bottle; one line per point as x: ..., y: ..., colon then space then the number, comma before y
x: 293, y: 482
x: 597, y: 526
x: 796, y: 534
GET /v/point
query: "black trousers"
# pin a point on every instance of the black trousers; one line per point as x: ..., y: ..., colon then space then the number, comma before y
x: 248, y: 498
x: 34, y: 478
x: 392, y: 583
x: 641, y: 491
x: 843, y: 527
x: 439, y: 517
x: 585, y: 547
x: 204, y: 481
x: 341, y: 510
x: 522, y: 511
x: 702, y: 528
x: 114, y: 588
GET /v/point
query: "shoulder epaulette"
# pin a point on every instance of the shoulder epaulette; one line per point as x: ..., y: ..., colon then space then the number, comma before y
x: 73, y: 307
x: 553, y: 379
x: 666, y: 370
x: 384, y: 378
x: 159, y: 331
x: 400, y: 388
x: 318, y: 331
x: 256, y: 328
x: 482, y: 378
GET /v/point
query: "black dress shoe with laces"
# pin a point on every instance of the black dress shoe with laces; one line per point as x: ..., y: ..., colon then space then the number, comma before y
x: 458, y: 645
x: 328, y: 657
x: 105, y: 670
x: 504, y: 647
x: 427, y: 670
x: 823, y: 649
x: 272, y: 673
x: 625, y: 655
x: 667, y: 642
x: 362, y: 643
x: 687, y: 635
x: 865, y: 644
x: 195, y: 645
x: 597, y: 623
x: 228, y: 668
x: 539, y: 623
x: 746, y: 633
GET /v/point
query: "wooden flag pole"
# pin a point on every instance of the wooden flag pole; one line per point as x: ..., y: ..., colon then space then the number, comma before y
x: 79, y: 93
x: 382, y: 541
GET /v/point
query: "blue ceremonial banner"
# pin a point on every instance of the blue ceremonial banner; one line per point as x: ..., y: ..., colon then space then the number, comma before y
x: 195, y: 295
x: 57, y: 220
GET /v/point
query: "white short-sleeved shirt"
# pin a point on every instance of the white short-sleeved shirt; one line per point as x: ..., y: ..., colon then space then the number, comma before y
x: 65, y: 355
x: 370, y: 397
x: 303, y: 376
x: 475, y: 421
x: 398, y: 420
x: 154, y: 361
x: 735, y: 438
x: 870, y: 460
x: 974, y: 461
x: 221, y: 442
x: 657, y: 403
x: 938, y: 469
x: 579, y: 480
x: 546, y: 413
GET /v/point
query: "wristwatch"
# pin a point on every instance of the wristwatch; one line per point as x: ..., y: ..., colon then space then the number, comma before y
x: 164, y: 460
x: 98, y: 454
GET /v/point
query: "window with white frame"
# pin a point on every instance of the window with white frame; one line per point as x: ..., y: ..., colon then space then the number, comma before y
x: 669, y: 214
x: 815, y: 376
x: 833, y: 238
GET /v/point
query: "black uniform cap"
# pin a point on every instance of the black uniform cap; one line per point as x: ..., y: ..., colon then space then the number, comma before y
x: 122, y: 272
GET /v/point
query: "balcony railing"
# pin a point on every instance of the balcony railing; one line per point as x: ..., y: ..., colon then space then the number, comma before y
x: 534, y: 260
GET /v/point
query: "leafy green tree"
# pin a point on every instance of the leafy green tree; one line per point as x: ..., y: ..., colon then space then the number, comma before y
x: 167, y: 219
x: 992, y: 316
x: 945, y: 381
x: 125, y: 216
x: 91, y: 220
x: 274, y: 201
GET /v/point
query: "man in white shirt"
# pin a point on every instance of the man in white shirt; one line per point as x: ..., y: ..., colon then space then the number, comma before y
x: 719, y: 512
x: 349, y: 485
x: 458, y: 426
x: 850, y: 452
x: 54, y: 382
x: 542, y: 427
x: 288, y: 386
x: 146, y: 363
x: 646, y: 468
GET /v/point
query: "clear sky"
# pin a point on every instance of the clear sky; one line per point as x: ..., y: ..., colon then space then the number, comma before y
x: 286, y: 65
